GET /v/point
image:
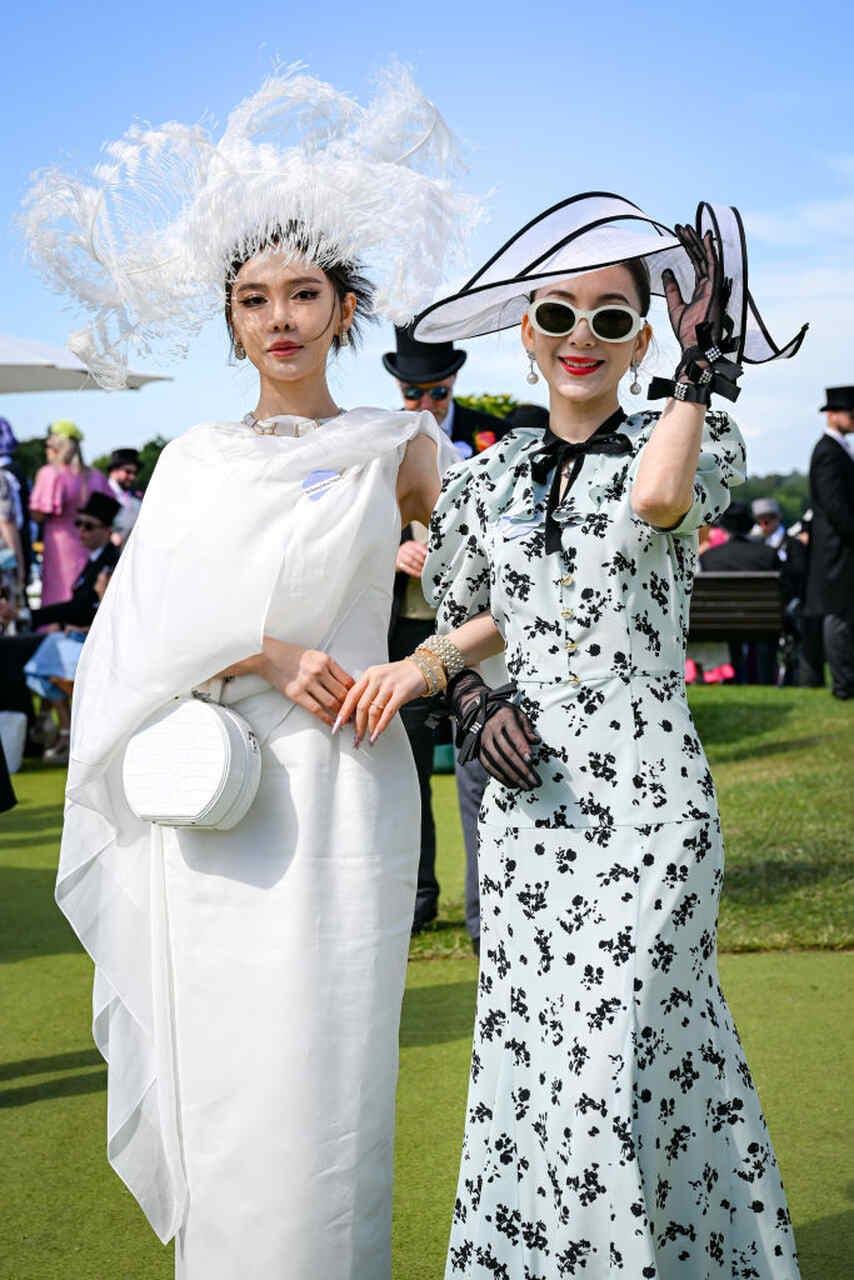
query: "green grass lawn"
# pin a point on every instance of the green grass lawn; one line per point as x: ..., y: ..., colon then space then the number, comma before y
x: 782, y: 761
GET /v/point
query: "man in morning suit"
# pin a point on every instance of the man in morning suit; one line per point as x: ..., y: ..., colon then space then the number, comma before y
x: 830, y: 581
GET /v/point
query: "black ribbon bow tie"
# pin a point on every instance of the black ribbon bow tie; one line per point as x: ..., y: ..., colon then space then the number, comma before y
x: 556, y: 453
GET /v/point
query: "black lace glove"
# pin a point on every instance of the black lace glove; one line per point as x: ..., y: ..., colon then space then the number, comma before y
x: 491, y: 728
x: 701, y: 325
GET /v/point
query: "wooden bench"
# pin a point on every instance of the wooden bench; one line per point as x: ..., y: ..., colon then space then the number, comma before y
x: 736, y: 606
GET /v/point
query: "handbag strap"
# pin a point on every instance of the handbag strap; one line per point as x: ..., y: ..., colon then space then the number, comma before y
x: 212, y: 690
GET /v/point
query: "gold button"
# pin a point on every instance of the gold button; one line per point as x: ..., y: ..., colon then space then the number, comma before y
x: 567, y: 580
x: 567, y: 613
x: 570, y: 646
x: 573, y: 680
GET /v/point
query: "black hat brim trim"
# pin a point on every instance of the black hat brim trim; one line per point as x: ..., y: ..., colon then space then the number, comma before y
x: 501, y: 284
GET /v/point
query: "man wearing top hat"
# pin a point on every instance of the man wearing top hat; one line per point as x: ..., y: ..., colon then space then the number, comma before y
x: 830, y: 583
x: 426, y: 373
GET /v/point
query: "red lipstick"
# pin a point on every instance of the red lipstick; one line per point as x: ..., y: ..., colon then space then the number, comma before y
x: 580, y: 366
x: 283, y: 348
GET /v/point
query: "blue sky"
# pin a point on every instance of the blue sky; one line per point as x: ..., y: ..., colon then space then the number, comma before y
x: 665, y: 103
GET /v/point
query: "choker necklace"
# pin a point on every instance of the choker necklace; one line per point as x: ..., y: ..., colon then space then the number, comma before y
x: 285, y: 424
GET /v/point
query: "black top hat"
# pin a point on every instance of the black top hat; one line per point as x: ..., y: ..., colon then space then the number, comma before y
x: 101, y: 507
x: 738, y: 518
x: 422, y: 361
x: 838, y: 398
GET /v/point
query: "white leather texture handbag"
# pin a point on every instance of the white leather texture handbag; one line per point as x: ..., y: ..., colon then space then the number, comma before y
x: 192, y: 764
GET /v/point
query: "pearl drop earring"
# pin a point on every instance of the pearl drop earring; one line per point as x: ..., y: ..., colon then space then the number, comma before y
x: 344, y: 338
x: 239, y: 350
x: 533, y: 377
x: 635, y: 387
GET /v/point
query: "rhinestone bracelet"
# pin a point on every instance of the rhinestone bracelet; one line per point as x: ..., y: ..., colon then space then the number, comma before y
x: 430, y: 670
x: 447, y: 653
x: 436, y: 665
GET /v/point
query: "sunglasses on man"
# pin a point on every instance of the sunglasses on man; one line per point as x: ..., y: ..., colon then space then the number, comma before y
x: 89, y: 526
x: 415, y: 392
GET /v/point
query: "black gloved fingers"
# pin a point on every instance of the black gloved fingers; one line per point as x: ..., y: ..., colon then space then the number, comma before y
x: 503, y: 752
x: 697, y: 252
x: 520, y: 760
x: 672, y: 294
x: 504, y: 755
x: 494, y: 766
x: 494, y: 761
x: 517, y: 728
x: 523, y: 719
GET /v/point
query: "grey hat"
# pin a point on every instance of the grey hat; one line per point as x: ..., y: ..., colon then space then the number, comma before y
x: 765, y: 507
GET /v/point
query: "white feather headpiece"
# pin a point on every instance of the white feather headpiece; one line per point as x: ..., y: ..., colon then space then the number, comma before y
x: 146, y: 243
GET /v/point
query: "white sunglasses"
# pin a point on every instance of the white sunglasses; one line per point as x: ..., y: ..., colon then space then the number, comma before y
x: 614, y: 323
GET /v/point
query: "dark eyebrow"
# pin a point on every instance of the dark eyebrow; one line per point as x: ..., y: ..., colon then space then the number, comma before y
x: 300, y: 280
x: 603, y: 297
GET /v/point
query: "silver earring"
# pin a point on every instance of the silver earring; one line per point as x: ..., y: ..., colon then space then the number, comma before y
x: 344, y: 338
x: 533, y: 377
x: 635, y: 387
x: 239, y: 350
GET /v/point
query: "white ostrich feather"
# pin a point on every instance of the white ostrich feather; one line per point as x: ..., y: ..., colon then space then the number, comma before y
x: 145, y: 244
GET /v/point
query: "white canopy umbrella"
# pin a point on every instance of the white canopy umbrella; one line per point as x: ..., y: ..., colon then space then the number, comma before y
x: 26, y: 365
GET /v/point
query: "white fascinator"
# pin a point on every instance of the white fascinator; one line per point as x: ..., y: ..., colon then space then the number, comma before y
x: 145, y: 243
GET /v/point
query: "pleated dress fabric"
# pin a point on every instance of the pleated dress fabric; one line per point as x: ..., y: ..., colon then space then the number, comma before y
x: 612, y: 1126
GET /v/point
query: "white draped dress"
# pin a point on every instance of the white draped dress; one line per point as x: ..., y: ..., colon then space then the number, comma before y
x: 249, y: 982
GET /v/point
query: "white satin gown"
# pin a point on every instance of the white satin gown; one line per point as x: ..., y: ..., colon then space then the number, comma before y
x: 289, y: 939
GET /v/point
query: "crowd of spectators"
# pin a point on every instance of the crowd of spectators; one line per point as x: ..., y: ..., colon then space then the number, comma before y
x: 814, y: 562
x: 60, y: 541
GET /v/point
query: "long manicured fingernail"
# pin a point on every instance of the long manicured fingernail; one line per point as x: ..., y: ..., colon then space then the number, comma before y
x: 337, y: 724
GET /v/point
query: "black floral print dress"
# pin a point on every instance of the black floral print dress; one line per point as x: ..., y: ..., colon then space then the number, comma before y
x: 612, y: 1128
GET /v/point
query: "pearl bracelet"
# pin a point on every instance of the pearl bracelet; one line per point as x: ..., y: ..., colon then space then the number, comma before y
x: 447, y: 652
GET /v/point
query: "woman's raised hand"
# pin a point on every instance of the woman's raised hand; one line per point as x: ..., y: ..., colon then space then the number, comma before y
x: 309, y: 677
x: 378, y: 695
x: 707, y: 302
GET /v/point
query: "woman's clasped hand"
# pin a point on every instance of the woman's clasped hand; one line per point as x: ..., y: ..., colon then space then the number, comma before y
x: 376, y: 697
x: 310, y: 678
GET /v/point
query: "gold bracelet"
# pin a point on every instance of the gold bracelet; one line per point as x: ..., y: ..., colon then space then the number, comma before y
x: 426, y: 672
x: 428, y: 662
x: 437, y: 667
x: 447, y: 652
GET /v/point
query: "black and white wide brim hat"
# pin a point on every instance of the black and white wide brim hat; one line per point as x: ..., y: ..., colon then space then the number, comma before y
x: 583, y: 234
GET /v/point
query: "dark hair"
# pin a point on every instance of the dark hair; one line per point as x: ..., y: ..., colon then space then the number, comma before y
x: 738, y: 518
x: 639, y: 272
x: 345, y: 277
x: 123, y: 458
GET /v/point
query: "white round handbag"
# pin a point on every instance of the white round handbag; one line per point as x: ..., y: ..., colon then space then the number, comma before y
x: 192, y: 764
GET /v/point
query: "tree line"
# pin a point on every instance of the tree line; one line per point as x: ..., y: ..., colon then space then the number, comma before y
x: 791, y: 489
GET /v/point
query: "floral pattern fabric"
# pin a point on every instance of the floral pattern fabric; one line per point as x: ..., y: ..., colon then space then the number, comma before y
x: 612, y: 1128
